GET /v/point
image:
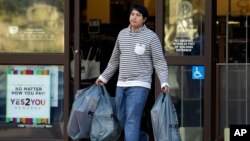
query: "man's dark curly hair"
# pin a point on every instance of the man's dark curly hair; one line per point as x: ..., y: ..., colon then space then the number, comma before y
x: 140, y: 8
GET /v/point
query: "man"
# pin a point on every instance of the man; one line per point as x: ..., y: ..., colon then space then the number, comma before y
x: 137, y: 51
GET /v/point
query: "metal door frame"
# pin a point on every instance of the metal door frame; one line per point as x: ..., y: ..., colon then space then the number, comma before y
x: 208, y: 60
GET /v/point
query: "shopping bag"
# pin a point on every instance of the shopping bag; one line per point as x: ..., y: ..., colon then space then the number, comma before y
x: 105, y: 125
x: 164, y: 119
x: 82, y: 112
x: 84, y: 69
x: 94, y: 66
x: 89, y: 68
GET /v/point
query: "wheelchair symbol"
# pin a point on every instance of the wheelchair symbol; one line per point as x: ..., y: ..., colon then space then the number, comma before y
x: 197, y: 73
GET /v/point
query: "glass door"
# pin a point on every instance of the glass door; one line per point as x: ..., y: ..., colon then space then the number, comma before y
x: 188, y: 41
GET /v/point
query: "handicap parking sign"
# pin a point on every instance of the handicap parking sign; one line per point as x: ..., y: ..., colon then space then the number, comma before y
x: 198, y: 72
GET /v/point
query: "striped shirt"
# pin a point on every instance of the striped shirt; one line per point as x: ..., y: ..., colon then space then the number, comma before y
x: 136, y: 54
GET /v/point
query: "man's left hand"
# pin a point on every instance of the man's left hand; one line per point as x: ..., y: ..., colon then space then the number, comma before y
x: 165, y: 89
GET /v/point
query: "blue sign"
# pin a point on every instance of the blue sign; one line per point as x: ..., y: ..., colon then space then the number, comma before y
x: 198, y: 72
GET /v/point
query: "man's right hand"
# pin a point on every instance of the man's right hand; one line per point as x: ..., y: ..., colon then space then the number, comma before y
x: 99, y: 82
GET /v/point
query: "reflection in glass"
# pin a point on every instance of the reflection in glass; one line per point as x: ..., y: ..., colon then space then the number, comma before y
x: 24, y: 89
x: 187, y: 94
x: 234, y: 94
x: 184, y: 28
x: 32, y: 26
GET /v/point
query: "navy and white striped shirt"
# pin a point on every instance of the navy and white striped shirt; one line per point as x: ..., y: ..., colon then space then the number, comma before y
x: 136, y: 54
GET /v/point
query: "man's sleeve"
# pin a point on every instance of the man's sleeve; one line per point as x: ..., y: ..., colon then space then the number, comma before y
x: 113, y: 64
x: 159, y: 61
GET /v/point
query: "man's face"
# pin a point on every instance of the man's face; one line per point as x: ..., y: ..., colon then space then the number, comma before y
x: 136, y: 19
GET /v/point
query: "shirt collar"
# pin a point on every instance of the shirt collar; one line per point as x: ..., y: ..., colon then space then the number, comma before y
x: 140, y: 29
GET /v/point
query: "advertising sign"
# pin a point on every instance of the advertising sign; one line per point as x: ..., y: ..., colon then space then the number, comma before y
x: 28, y: 97
x: 53, y: 71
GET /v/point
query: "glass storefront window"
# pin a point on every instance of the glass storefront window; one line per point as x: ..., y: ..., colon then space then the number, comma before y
x: 31, y: 99
x: 234, y: 92
x: 32, y: 26
x: 188, y: 96
x: 184, y: 27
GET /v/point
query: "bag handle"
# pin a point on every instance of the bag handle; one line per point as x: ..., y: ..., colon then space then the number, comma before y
x: 82, y: 56
x: 163, y: 97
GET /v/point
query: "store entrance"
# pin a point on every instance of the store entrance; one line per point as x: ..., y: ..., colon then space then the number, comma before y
x: 94, y: 34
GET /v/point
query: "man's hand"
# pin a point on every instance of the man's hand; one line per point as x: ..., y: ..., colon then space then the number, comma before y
x: 99, y: 82
x: 165, y: 89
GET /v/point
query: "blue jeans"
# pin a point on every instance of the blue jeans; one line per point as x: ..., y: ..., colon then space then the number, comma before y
x: 130, y: 102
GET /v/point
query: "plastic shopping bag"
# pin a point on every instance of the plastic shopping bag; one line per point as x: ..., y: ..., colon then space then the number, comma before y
x: 105, y: 126
x: 82, y: 112
x: 164, y: 119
